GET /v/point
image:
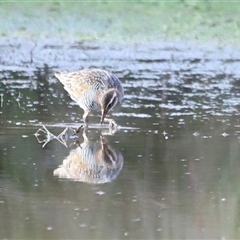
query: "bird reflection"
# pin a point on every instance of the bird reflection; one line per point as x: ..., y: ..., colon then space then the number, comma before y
x: 93, y: 162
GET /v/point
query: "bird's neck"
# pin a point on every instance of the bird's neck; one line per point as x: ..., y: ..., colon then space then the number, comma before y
x: 102, y: 94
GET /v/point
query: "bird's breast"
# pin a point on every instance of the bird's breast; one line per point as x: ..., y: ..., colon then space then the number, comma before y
x: 89, y: 101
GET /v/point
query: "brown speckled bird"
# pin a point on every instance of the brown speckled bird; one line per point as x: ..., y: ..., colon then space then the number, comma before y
x: 93, y: 89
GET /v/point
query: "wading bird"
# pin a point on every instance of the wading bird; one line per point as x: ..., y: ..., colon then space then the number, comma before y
x: 93, y: 89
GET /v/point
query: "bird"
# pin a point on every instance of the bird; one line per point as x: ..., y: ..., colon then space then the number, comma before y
x: 93, y: 89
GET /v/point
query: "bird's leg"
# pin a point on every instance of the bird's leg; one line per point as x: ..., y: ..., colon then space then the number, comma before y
x: 84, y: 134
x: 103, y: 140
x: 85, y: 123
x: 82, y: 127
x: 77, y: 131
x: 85, y: 117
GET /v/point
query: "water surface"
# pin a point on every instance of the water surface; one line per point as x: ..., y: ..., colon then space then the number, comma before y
x: 176, y: 168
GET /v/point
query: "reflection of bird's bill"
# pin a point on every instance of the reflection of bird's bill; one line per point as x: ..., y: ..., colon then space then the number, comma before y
x: 104, y: 113
x: 103, y: 140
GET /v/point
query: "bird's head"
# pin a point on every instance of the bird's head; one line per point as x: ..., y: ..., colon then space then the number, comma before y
x: 109, y: 100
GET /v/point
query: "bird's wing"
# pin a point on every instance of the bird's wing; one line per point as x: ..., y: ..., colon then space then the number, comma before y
x: 75, y: 83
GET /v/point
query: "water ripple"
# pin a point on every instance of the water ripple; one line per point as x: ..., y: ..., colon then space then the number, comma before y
x: 171, y: 77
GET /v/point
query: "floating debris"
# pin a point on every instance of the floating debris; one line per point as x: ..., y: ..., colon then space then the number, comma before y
x: 18, y: 99
x: 44, y: 136
x: 48, y: 136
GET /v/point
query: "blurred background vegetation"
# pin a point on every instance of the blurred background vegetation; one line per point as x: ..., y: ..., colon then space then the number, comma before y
x: 122, y: 21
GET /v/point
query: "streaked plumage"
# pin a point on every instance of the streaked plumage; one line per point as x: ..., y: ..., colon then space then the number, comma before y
x: 91, y: 162
x: 93, y: 89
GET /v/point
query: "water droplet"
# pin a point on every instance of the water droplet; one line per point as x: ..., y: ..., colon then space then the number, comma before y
x: 100, y: 193
x: 206, y: 136
x: 136, y: 220
x: 183, y: 160
x: 225, y: 134
x: 164, y: 133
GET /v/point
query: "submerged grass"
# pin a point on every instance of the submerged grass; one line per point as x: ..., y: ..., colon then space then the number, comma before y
x: 122, y: 21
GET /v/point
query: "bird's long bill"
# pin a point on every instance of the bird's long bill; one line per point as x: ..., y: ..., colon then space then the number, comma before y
x: 104, y: 113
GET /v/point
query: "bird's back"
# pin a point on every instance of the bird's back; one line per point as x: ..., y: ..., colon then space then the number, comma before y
x: 84, y: 84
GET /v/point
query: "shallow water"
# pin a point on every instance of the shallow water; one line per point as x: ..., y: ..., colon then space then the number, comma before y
x: 176, y: 154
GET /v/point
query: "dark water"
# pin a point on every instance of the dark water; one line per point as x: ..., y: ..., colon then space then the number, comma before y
x: 174, y: 170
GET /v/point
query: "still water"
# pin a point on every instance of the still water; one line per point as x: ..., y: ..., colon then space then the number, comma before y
x: 172, y: 170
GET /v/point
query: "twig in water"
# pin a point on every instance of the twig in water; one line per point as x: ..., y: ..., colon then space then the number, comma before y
x: 1, y: 97
x: 31, y: 52
x: 18, y: 99
x: 49, y: 136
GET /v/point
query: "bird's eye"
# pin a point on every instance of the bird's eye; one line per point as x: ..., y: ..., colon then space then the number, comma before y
x: 110, y: 105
